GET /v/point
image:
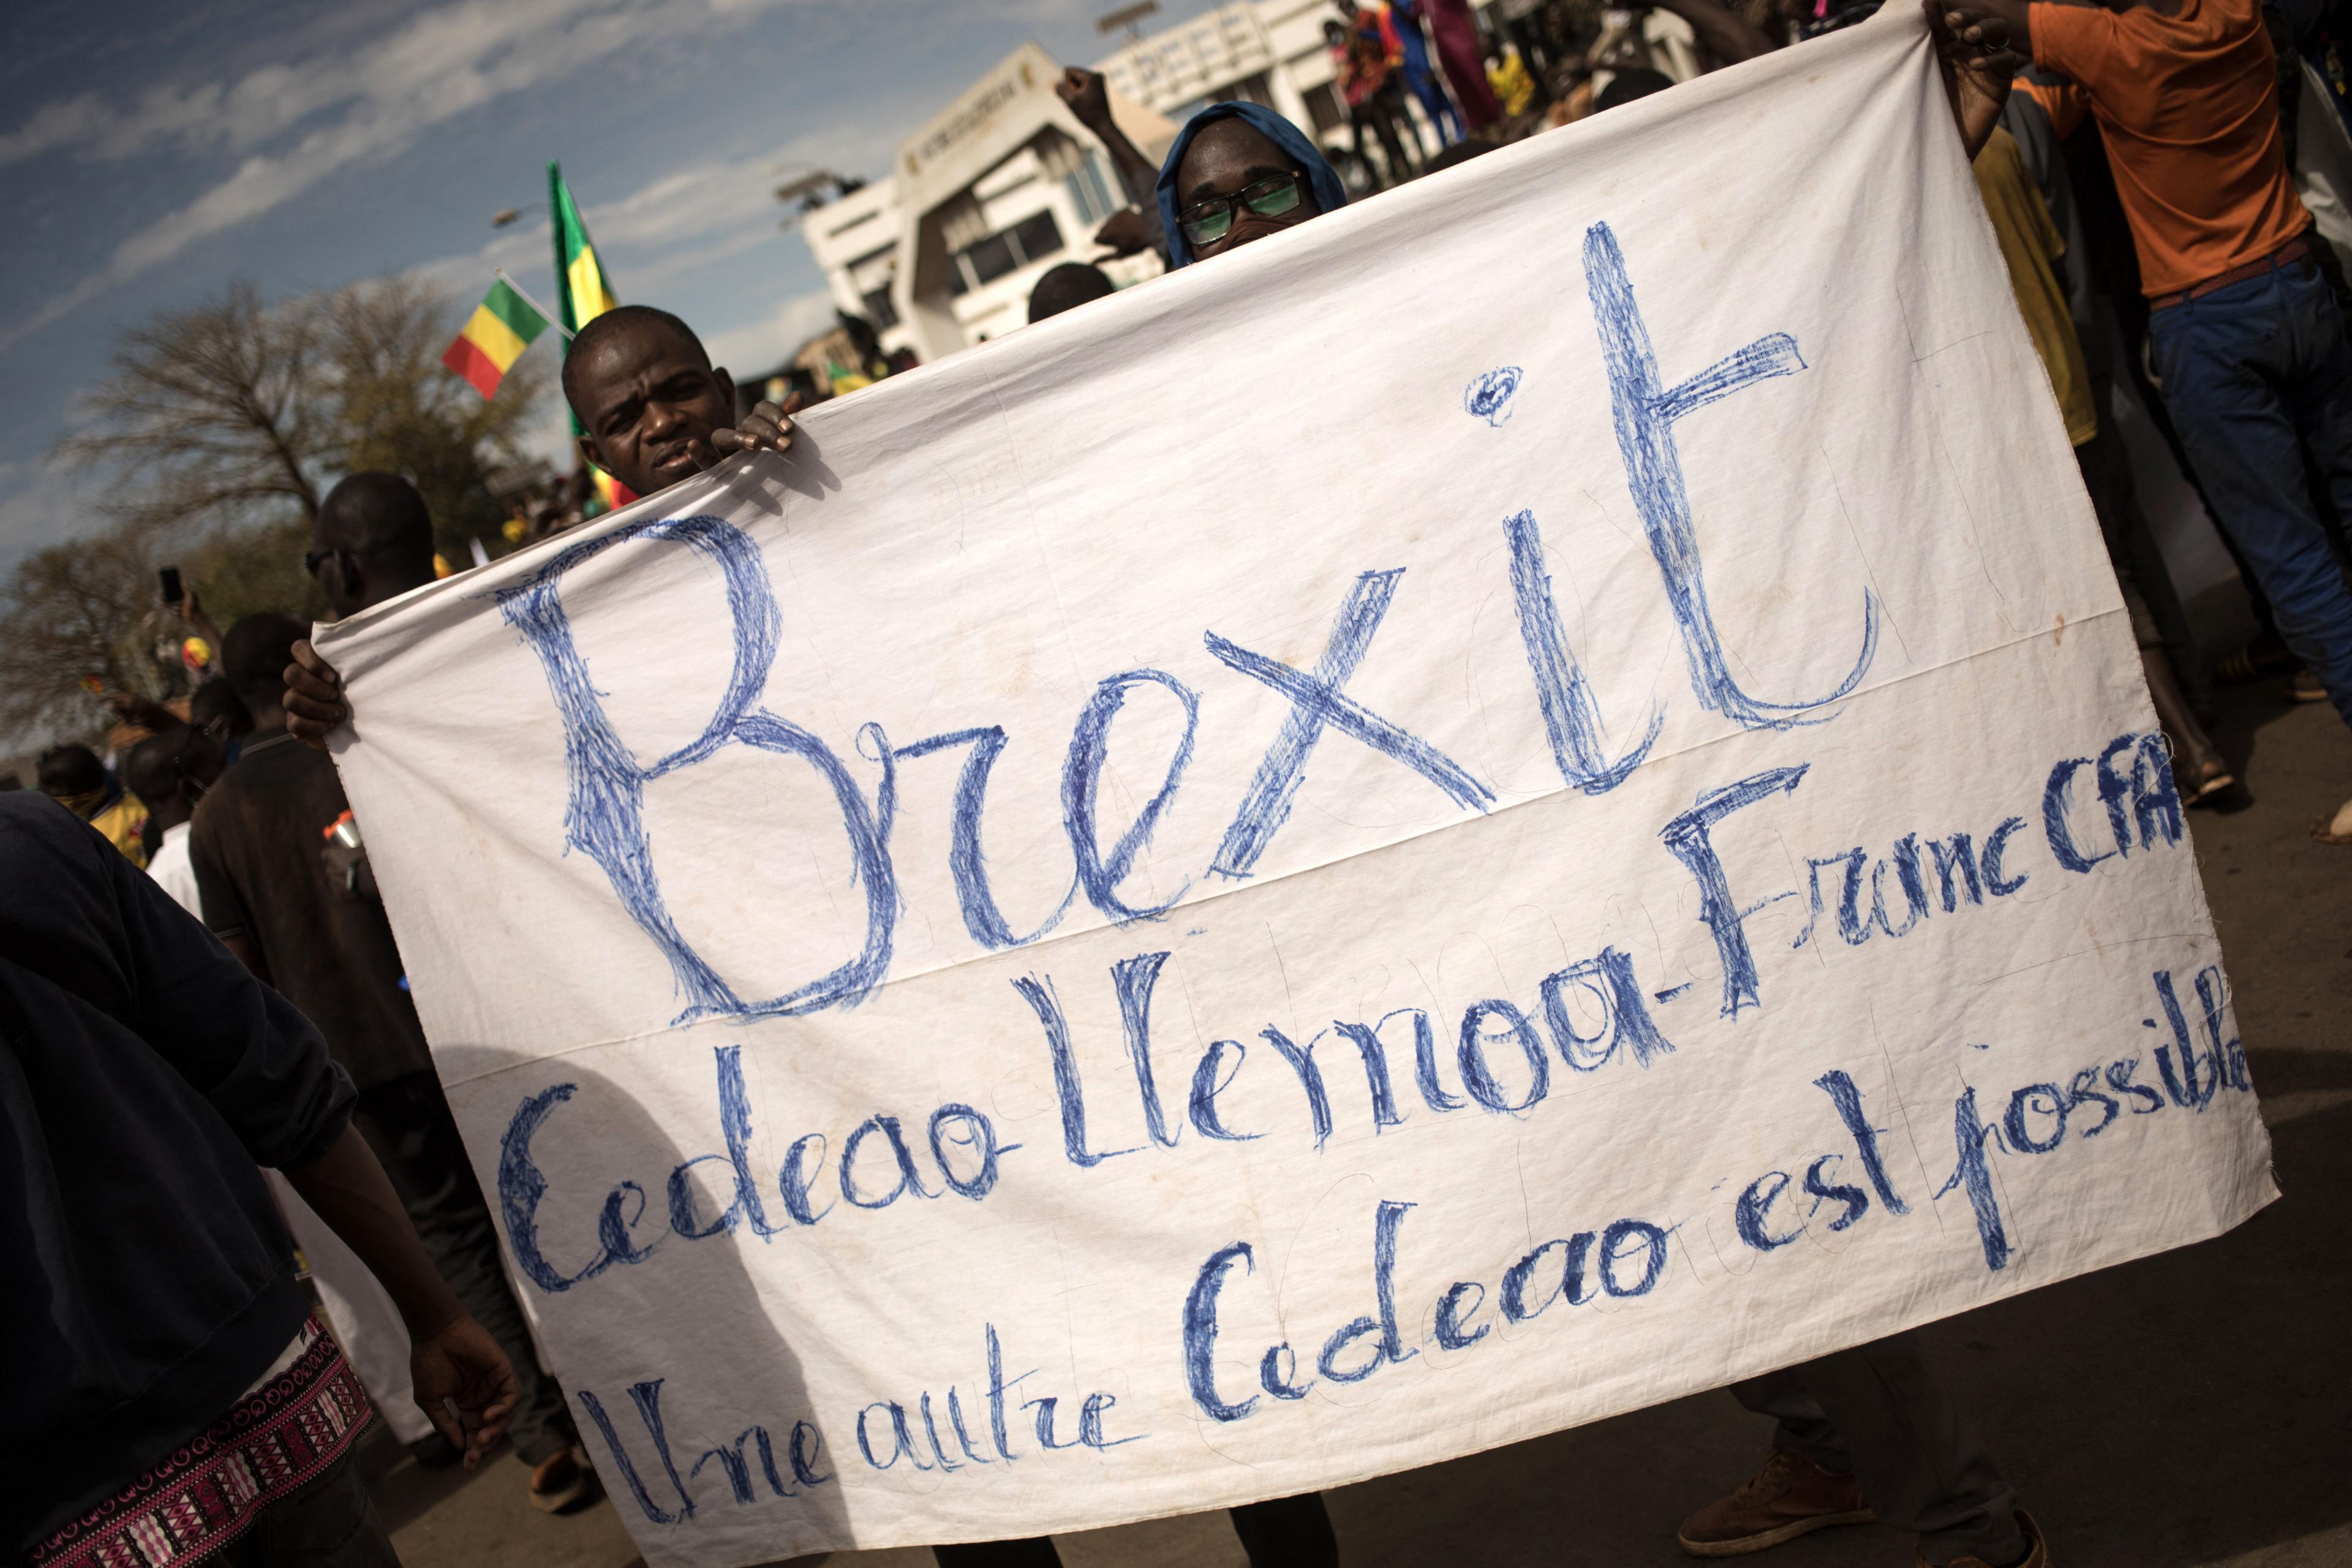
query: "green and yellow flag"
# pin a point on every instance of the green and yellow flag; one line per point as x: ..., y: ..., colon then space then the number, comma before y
x: 581, y: 294
x: 501, y: 327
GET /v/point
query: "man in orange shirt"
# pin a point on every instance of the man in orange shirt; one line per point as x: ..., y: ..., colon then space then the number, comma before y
x: 2249, y: 343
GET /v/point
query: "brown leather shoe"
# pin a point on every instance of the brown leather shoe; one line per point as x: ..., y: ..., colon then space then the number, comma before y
x: 1790, y: 1496
x: 2037, y: 1552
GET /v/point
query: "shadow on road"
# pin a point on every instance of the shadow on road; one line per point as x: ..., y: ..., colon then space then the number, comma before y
x: 2187, y: 1408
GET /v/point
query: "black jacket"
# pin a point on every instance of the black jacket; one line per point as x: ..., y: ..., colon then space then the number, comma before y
x: 146, y: 1279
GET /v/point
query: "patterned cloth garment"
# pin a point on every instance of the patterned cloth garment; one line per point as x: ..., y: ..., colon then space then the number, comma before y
x: 292, y: 1424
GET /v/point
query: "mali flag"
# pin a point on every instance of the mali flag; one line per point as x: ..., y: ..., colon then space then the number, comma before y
x: 581, y: 294
x: 502, y: 326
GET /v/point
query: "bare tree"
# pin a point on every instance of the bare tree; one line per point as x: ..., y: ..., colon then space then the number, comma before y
x: 395, y: 407
x: 217, y: 432
x: 71, y: 612
x: 212, y: 413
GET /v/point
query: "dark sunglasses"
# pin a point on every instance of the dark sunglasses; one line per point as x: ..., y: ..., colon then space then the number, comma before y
x: 1205, y: 223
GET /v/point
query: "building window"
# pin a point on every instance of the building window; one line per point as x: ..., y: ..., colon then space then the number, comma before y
x: 869, y: 216
x: 1037, y: 236
x: 991, y: 259
x: 870, y: 279
x: 1034, y: 239
x: 1249, y: 89
x: 1090, y: 193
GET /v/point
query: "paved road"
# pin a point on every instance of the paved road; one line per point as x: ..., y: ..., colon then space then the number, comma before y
x: 2192, y: 1410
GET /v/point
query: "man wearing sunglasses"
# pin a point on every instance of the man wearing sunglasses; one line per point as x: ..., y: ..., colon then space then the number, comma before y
x: 277, y: 889
x: 1239, y: 172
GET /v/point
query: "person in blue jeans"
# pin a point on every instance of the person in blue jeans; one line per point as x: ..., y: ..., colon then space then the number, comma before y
x: 1419, y: 78
x: 2256, y: 374
x: 2248, y: 342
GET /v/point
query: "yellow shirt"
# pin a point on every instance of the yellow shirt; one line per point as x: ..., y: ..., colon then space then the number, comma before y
x: 1512, y: 84
x: 2030, y: 243
x: 121, y: 823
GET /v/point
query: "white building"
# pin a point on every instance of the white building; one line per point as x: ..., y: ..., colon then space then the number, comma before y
x: 1004, y: 182
x: 1261, y: 51
x: 994, y: 189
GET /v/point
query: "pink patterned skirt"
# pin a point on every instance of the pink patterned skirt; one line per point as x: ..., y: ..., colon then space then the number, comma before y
x: 281, y: 1432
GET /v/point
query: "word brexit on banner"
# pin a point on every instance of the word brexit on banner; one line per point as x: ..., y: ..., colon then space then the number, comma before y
x: 1528, y: 798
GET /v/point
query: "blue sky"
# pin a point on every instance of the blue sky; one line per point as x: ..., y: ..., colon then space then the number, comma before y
x: 151, y: 154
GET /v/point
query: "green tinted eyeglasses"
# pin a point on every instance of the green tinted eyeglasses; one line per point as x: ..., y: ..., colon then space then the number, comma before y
x: 1205, y: 223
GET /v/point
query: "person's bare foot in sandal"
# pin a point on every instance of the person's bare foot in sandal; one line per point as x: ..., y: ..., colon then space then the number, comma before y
x: 2202, y: 779
x: 2198, y: 770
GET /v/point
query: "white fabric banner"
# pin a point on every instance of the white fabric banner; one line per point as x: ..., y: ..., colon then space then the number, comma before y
x: 1531, y: 797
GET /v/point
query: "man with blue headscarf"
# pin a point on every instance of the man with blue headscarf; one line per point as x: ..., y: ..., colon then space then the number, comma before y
x: 1239, y: 172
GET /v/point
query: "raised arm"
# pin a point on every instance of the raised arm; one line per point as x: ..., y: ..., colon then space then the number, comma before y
x: 1089, y: 98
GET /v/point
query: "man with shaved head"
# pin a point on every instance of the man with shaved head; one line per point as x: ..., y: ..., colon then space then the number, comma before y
x: 652, y: 407
x: 1067, y: 287
x: 284, y: 883
x: 652, y: 410
x: 169, y: 772
x: 373, y: 541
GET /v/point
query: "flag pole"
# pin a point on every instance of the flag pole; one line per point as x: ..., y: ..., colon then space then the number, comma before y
x: 552, y: 319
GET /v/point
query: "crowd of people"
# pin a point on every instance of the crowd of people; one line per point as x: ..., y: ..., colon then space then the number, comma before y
x: 242, y: 1004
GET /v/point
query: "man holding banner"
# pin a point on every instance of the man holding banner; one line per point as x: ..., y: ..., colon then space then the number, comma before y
x: 2247, y: 339
x: 1331, y: 1012
x: 1875, y: 1410
x: 315, y: 932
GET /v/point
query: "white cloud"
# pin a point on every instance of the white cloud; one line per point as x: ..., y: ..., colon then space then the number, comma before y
x: 445, y: 63
x: 661, y: 233
x: 57, y: 125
